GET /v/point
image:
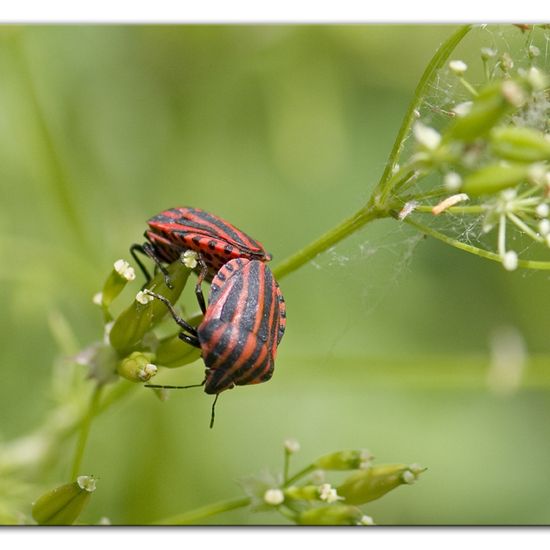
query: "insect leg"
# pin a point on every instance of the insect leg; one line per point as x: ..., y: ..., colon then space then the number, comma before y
x: 158, y: 386
x: 193, y: 339
x: 149, y: 250
x: 198, y: 287
x: 134, y: 249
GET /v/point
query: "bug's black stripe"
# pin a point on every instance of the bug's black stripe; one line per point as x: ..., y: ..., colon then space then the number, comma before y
x: 252, y: 304
x: 270, y: 310
x: 234, y: 234
x: 241, y: 366
x: 253, y: 368
x: 222, y: 348
x: 258, y: 321
x: 235, y: 295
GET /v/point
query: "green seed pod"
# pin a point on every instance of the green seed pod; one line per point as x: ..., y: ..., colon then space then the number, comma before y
x: 344, y: 460
x: 173, y: 352
x: 375, y: 482
x: 488, y: 108
x: 308, y: 492
x: 335, y: 514
x: 137, y: 367
x: 494, y: 178
x: 144, y: 312
x: 63, y: 505
x: 520, y: 144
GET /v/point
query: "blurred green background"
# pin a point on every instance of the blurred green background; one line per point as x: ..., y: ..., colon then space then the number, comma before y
x: 283, y: 130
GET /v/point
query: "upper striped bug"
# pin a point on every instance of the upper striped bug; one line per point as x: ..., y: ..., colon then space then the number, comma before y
x: 215, y: 240
x: 243, y: 325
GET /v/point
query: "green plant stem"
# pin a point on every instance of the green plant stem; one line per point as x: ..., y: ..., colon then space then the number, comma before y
x: 193, y: 516
x: 384, y: 188
x: 528, y: 264
x: 330, y: 238
x: 85, y: 431
x: 377, y: 206
x: 301, y: 473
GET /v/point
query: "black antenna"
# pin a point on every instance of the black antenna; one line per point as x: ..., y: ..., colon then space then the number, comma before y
x: 213, y: 411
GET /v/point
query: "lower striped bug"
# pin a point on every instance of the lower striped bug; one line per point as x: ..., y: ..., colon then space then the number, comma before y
x: 241, y: 329
x: 215, y: 240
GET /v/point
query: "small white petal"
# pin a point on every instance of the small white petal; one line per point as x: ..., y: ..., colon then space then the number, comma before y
x: 147, y: 372
x: 462, y: 109
x: 144, y: 298
x: 416, y: 468
x: 487, y: 53
x: 87, y: 483
x: 509, y: 194
x: 537, y: 173
x: 458, y: 67
x: 513, y: 93
x: 274, y: 497
x: 510, y: 260
x: 534, y: 51
x: 544, y: 227
x: 452, y: 181
x: 426, y: 136
x: 536, y: 79
x: 543, y: 210
x: 328, y: 494
x: 366, y: 520
x: 292, y: 446
x: 98, y: 299
x: 408, y: 477
x: 189, y: 259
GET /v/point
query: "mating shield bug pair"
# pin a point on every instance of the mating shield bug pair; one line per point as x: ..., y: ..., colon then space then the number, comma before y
x: 246, y: 315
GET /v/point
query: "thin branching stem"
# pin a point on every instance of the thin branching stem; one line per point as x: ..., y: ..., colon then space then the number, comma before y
x: 193, y: 516
x: 528, y: 264
x: 377, y: 207
x: 85, y: 430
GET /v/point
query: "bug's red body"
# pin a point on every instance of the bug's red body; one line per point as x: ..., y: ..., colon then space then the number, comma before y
x: 244, y: 323
x: 216, y: 240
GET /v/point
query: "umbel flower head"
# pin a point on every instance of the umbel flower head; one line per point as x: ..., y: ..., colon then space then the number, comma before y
x: 489, y: 153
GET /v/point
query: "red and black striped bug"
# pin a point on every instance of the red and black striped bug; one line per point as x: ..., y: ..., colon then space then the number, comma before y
x: 243, y: 325
x: 215, y: 240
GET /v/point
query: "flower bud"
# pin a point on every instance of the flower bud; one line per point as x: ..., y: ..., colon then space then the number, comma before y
x: 137, y: 367
x: 274, y: 497
x: 344, y: 460
x: 63, y: 505
x: 306, y: 492
x: 494, y: 178
x: 375, y: 482
x: 336, y: 514
x: 142, y: 315
x: 291, y: 446
x: 488, y: 108
x: 520, y: 144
